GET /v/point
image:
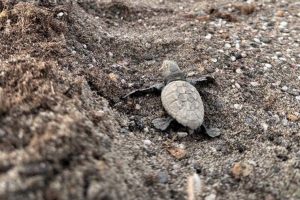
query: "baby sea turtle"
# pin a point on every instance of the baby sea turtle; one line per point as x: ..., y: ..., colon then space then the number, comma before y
x: 180, y: 99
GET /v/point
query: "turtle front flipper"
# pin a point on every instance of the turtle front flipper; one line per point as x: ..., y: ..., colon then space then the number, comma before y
x: 162, y: 123
x: 202, y: 81
x: 139, y: 92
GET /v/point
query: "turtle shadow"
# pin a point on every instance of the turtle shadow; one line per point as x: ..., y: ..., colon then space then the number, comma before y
x: 214, y: 109
x: 198, y: 134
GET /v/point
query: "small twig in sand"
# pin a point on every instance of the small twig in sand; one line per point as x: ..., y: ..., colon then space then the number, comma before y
x: 193, y: 186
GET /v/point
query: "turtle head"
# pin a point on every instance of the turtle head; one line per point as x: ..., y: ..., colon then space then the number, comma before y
x: 169, y: 68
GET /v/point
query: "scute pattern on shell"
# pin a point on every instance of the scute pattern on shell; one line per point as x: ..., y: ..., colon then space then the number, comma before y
x: 183, y: 102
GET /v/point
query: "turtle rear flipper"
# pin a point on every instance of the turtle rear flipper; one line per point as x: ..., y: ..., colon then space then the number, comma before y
x: 211, y: 132
x: 162, y: 123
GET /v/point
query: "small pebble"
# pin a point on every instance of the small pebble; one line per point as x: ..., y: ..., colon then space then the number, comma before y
x: 123, y: 81
x: 210, y: 69
x: 208, y: 36
x: 124, y: 130
x: 266, y: 40
x: 163, y: 177
x: 278, y: 53
x: 131, y: 134
x: 276, y: 118
x: 176, y: 167
x: 146, y: 130
x: 248, y: 120
x: 233, y: 58
x: 256, y: 40
x: 239, y: 71
x: 280, y: 13
x: 283, y: 25
x: 214, y: 60
x: 284, y: 88
x: 148, y: 45
x: 238, y: 106
x: 60, y: 14
x: 147, y: 142
x: 182, y: 134
x: 284, y: 122
x: 227, y: 46
x: 137, y: 106
x: 294, y: 92
x: 267, y: 65
x: 277, y: 83
x: 210, y: 197
x: 264, y: 126
x: 298, y: 98
x: 2, y: 133
x: 282, y: 58
x: 254, y: 84
x: 113, y: 77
